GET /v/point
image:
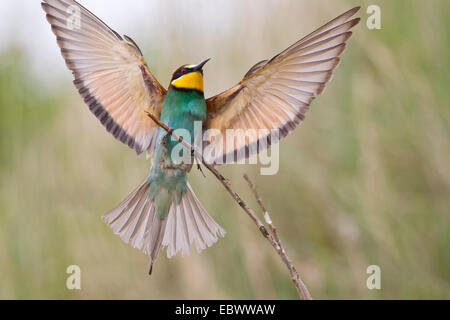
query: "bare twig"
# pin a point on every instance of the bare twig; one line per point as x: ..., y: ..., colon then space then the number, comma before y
x: 272, y: 238
x: 301, y: 287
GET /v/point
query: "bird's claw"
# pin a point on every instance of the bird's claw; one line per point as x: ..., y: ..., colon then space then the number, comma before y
x: 168, y: 134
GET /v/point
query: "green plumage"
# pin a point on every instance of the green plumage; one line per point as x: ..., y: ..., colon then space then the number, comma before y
x: 167, y: 178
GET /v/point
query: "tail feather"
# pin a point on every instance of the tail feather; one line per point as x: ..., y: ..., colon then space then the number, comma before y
x: 156, y: 233
x: 189, y: 223
x: 124, y: 219
x: 136, y: 221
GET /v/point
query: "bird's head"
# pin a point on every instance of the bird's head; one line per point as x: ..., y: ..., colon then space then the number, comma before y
x: 189, y: 77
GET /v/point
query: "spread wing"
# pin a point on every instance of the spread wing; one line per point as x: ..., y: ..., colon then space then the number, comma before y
x: 110, y: 73
x: 275, y: 94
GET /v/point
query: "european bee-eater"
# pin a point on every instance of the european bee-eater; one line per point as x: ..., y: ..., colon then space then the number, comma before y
x: 113, y: 78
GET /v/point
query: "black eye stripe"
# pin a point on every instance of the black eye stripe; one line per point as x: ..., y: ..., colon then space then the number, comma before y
x: 177, y: 75
x: 181, y: 72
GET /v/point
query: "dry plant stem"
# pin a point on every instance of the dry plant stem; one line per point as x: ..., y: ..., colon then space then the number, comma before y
x: 273, y: 239
x: 295, y: 277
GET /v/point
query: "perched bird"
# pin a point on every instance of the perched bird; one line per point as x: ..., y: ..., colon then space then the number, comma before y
x: 113, y: 78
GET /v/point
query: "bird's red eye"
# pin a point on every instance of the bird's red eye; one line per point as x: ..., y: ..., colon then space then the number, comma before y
x: 183, y: 71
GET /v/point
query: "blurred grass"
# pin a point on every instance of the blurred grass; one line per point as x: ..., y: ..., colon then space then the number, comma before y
x: 365, y: 180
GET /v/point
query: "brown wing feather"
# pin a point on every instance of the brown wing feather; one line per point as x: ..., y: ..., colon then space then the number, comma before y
x: 275, y: 94
x: 110, y: 73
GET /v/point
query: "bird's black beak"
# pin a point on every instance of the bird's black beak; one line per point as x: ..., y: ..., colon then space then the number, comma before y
x: 200, y: 66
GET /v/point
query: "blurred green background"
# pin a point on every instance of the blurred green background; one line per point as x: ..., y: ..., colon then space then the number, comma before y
x: 364, y: 181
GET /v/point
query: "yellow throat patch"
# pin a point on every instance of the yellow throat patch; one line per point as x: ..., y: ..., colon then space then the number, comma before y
x: 190, y: 81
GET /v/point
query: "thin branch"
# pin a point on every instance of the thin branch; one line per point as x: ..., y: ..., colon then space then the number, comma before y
x: 295, y: 277
x: 272, y: 238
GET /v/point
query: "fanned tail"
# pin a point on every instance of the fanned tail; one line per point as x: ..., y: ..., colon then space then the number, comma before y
x: 136, y: 222
x: 189, y: 222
